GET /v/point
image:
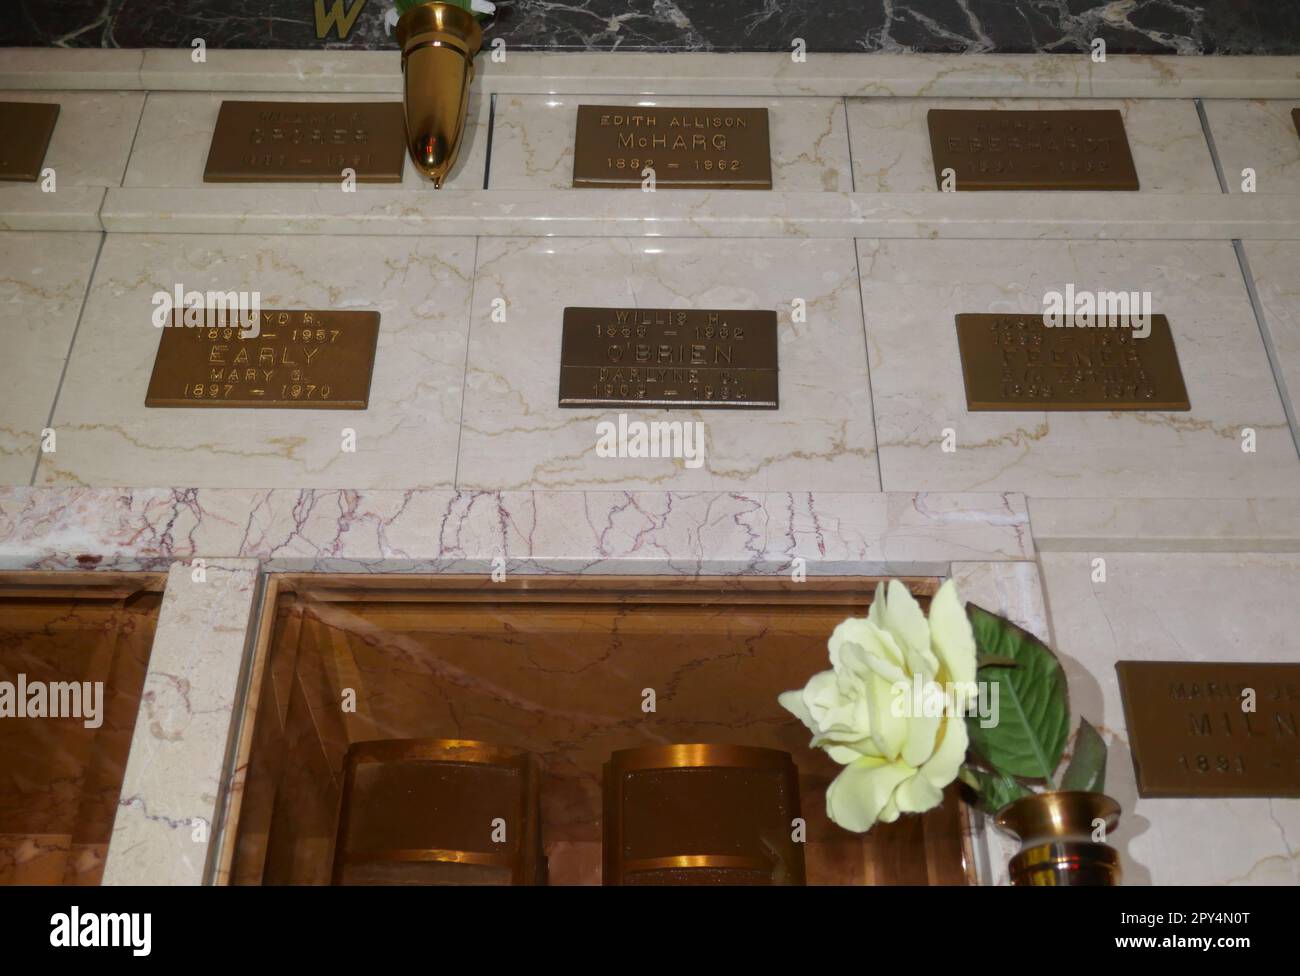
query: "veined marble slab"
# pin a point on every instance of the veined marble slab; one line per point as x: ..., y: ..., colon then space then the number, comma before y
x: 88, y: 151
x: 912, y: 290
x: 1257, y: 134
x: 175, y: 773
x: 533, y: 136
x: 932, y: 75
x: 1166, y: 524
x: 1275, y: 268
x: 1178, y: 607
x: 675, y: 533
x: 891, y: 141
x: 407, y: 436
x: 515, y: 436
x: 42, y: 284
x: 92, y: 135
x: 176, y: 128
x: 703, y: 213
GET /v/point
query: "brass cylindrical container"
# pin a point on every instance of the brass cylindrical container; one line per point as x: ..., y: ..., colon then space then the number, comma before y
x: 701, y: 814
x: 1056, y: 831
x: 439, y: 811
x: 439, y: 41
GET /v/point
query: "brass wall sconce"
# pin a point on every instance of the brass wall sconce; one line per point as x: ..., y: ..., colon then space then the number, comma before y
x: 439, y: 811
x: 701, y: 814
x: 439, y: 41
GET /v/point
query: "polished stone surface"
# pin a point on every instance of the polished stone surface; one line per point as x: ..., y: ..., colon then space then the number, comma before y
x: 1258, y: 134
x: 891, y: 141
x: 1275, y: 267
x: 407, y: 437
x: 533, y: 137
x: 42, y: 285
x: 1178, y: 607
x: 1139, y: 26
x: 171, y: 147
x: 911, y: 292
x: 515, y: 436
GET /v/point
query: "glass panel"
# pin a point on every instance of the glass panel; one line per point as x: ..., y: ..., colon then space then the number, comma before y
x: 562, y: 667
x: 73, y: 655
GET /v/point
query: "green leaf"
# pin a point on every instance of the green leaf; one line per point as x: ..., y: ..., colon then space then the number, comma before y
x: 1033, y: 710
x: 995, y: 790
x: 1087, y: 769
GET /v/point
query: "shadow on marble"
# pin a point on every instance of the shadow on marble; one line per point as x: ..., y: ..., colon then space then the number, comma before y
x: 1178, y: 607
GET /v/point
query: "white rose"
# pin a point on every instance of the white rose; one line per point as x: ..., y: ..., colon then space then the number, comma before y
x: 893, y: 763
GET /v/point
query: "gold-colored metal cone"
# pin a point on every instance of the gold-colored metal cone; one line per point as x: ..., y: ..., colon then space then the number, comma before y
x: 438, y: 42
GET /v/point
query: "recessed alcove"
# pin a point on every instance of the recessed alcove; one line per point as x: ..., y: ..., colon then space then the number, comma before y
x: 63, y: 752
x: 564, y: 668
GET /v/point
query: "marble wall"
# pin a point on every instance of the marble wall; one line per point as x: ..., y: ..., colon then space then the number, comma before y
x: 950, y: 26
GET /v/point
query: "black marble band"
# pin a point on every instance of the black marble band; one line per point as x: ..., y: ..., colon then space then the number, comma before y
x: 961, y: 26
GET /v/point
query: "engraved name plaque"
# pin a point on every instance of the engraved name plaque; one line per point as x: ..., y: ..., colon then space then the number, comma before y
x: 1071, y: 149
x: 25, y: 131
x: 305, y: 360
x: 658, y: 357
x: 307, y: 142
x: 1199, y: 728
x: 686, y: 147
x: 1015, y: 362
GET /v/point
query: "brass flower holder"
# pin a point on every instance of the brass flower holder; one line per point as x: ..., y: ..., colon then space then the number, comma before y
x: 438, y: 43
x: 1056, y: 831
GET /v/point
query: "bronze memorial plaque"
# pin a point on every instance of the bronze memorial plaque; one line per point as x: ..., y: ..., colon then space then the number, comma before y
x: 308, y: 360
x: 307, y: 142
x: 1295, y: 117
x: 689, y: 148
x: 1221, y: 728
x: 994, y: 149
x: 659, y: 357
x: 1015, y: 362
x: 25, y: 131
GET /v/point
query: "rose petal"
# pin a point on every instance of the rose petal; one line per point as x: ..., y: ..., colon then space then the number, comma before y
x: 858, y: 795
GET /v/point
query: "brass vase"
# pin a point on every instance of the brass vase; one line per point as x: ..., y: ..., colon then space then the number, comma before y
x: 1056, y: 845
x: 439, y: 41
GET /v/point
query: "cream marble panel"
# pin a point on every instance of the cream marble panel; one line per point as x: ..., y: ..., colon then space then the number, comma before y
x: 1192, y: 607
x: 1258, y: 134
x: 533, y: 135
x: 1275, y: 266
x: 699, y: 213
x: 92, y: 136
x: 515, y: 435
x: 913, y: 289
x: 1167, y: 524
x: 42, y: 284
x: 176, y: 132
x: 407, y: 437
x: 891, y: 141
x: 174, y: 773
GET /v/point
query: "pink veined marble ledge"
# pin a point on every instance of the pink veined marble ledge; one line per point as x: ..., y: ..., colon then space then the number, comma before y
x: 684, y: 533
